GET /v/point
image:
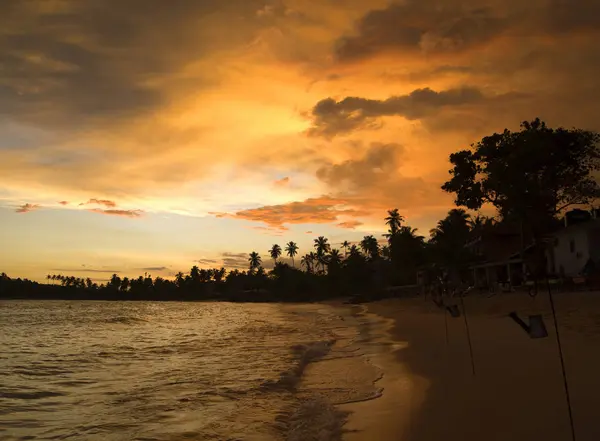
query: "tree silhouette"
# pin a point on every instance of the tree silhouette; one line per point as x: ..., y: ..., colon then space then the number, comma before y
x: 393, y: 221
x: 448, y: 240
x: 334, y: 257
x: 275, y: 252
x: 307, y: 262
x: 530, y: 175
x: 322, y: 247
x: 370, y: 246
x: 291, y: 250
x: 345, y: 246
x: 255, y: 260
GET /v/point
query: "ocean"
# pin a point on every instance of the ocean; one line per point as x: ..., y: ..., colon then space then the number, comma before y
x: 181, y: 371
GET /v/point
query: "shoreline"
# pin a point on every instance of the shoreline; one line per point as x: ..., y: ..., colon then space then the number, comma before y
x: 517, y: 392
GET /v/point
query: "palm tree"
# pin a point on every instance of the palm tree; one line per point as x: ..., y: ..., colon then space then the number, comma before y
x: 334, y: 257
x: 345, y: 246
x: 322, y: 246
x: 219, y: 275
x: 48, y: 277
x: 386, y: 251
x: 179, y: 280
x: 393, y: 221
x: 255, y: 260
x: 292, y: 249
x: 275, y: 252
x: 370, y: 246
x: 306, y: 262
x: 354, y: 251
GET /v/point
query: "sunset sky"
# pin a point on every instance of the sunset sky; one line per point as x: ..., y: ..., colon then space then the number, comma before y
x: 151, y: 135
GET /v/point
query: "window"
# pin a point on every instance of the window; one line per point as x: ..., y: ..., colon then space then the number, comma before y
x: 572, y: 245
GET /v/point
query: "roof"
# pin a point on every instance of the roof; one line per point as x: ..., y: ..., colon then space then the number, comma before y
x: 587, y: 225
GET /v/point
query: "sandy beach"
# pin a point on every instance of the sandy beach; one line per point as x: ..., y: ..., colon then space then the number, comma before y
x: 517, y: 392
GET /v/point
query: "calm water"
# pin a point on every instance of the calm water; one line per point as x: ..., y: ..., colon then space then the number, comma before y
x: 171, y: 371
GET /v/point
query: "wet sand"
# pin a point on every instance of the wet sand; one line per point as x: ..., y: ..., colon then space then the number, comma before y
x: 517, y: 392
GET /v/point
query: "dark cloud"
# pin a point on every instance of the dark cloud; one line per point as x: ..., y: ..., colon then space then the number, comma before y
x: 63, y: 202
x: 379, y: 161
x: 82, y: 59
x: 26, y: 208
x: 86, y: 270
x: 154, y: 268
x: 235, y: 260
x: 123, y: 213
x: 206, y: 261
x: 331, y: 117
x: 421, y: 25
x: 454, y: 26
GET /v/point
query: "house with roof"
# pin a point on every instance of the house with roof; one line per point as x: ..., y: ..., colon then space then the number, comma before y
x: 575, y: 249
x: 497, y: 256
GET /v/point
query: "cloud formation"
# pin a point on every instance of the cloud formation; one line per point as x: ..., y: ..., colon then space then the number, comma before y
x: 331, y: 117
x: 105, y: 202
x: 427, y: 27
x: 320, y: 210
x: 283, y: 182
x: 85, y: 60
x: 115, y: 212
x: 26, y: 208
x: 350, y: 225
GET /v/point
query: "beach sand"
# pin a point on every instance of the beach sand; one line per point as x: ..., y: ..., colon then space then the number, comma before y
x: 517, y: 393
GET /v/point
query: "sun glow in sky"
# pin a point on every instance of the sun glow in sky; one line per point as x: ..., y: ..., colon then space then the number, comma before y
x: 151, y: 135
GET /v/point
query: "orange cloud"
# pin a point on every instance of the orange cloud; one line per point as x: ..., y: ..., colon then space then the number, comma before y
x: 124, y: 213
x: 351, y: 225
x: 320, y: 210
x: 105, y: 202
x: 282, y: 182
x: 63, y: 202
x: 26, y: 208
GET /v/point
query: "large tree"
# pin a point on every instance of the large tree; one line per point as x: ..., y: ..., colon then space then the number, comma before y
x: 530, y: 175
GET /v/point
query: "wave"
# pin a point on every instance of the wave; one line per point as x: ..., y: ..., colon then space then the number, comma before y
x: 30, y: 395
x: 124, y: 320
x: 315, y: 419
x: 306, y: 353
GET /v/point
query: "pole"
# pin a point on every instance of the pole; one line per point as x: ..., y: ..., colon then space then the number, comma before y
x: 446, y: 326
x: 468, y: 333
x: 562, y: 363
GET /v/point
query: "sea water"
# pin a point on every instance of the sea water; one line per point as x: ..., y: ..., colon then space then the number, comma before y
x: 180, y: 371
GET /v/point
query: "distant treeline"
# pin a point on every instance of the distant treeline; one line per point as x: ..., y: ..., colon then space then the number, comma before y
x: 530, y: 177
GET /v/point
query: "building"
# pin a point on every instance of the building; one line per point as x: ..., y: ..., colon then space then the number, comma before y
x: 573, y: 247
x: 497, y: 255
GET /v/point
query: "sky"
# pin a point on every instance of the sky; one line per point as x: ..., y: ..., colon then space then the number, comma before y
x: 152, y: 135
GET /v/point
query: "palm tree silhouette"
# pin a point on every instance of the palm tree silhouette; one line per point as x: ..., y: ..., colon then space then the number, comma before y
x: 322, y: 246
x: 292, y: 249
x: 306, y: 262
x: 275, y: 252
x: 393, y: 221
x: 354, y: 251
x: 345, y: 246
x: 48, y: 276
x: 255, y: 260
x: 370, y: 246
x: 334, y: 257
